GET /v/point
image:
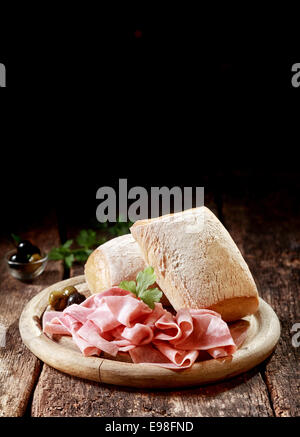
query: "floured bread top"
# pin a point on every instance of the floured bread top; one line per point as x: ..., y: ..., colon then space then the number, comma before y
x: 196, y: 262
x: 127, y: 265
x: 116, y: 260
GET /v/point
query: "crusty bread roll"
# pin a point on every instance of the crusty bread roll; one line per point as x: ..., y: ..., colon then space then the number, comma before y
x: 117, y: 260
x: 197, y: 264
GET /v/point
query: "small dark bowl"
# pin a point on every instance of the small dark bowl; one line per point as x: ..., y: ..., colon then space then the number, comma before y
x: 25, y: 271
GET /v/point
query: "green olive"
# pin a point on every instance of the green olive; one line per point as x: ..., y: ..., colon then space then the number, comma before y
x: 57, y: 300
x: 62, y: 303
x: 54, y: 296
x: 35, y: 257
x: 68, y: 291
x: 32, y: 265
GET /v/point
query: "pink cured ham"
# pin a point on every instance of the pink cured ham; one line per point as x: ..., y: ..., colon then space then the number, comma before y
x: 116, y: 321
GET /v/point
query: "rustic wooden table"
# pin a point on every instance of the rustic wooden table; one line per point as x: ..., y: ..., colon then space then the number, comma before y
x: 267, y: 231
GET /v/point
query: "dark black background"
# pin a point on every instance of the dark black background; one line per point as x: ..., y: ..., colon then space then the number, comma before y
x: 91, y: 101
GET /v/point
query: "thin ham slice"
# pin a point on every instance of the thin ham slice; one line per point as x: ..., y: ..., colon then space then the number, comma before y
x: 116, y: 321
x: 163, y: 356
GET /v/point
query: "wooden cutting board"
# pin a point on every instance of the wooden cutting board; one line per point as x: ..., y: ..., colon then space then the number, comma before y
x: 61, y: 353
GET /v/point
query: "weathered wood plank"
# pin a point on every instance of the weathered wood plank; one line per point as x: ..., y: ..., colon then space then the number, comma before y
x: 266, y: 228
x: 58, y: 394
x: 63, y: 395
x: 19, y: 368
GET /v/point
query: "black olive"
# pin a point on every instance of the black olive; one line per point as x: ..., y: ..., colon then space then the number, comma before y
x: 75, y: 298
x: 35, y: 249
x: 26, y: 248
x: 17, y: 258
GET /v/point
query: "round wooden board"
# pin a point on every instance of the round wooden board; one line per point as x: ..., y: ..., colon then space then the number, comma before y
x: 61, y: 353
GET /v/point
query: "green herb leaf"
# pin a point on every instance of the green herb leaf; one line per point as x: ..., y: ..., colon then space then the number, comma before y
x: 67, y: 244
x: 82, y: 255
x: 120, y: 228
x: 128, y: 285
x: 56, y: 254
x: 141, y: 289
x: 69, y: 260
x: 144, y: 279
x: 87, y: 238
x: 150, y: 296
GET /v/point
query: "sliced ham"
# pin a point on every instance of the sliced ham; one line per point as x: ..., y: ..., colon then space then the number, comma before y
x: 162, y: 357
x: 116, y: 321
x: 138, y: 334
x: 92, y: 335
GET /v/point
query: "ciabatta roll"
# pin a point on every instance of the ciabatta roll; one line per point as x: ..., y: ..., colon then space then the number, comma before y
x: 197, y: 264
x: 117, y: 260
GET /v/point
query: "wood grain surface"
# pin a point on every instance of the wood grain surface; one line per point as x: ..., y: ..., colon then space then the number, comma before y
x: 267, y: 230
x: 19, y: 368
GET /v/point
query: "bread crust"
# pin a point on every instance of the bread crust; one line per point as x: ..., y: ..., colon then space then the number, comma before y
x: 198, y: 267
x: 117, y: 260
x: 236, y: 308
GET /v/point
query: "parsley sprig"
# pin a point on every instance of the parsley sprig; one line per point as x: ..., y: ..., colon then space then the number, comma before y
x: 120, y: 228
x: 141, y: 289
x: 86, y: 240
